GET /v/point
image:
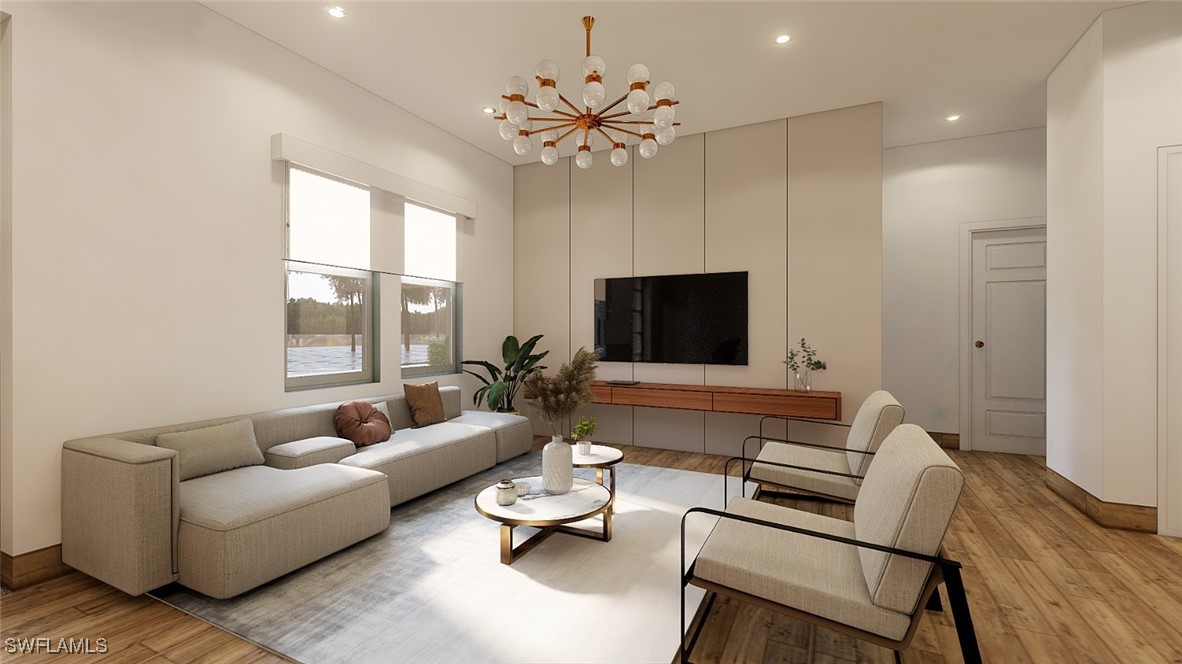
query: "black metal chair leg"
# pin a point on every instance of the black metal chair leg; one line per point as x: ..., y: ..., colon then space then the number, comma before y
x: 934, y: 603
x: 969, y: 649
x: 898, y: 657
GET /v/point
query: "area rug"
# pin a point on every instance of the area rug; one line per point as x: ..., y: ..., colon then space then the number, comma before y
x: 431, y: 588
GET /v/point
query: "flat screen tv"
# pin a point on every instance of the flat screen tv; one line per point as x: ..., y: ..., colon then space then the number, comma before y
x: 672, y: 319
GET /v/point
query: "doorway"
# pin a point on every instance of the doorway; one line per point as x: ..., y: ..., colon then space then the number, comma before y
x: 1003, y: 321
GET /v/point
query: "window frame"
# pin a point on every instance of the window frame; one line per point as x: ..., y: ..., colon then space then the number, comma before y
x: 457, y: 324
x: 369, y: 372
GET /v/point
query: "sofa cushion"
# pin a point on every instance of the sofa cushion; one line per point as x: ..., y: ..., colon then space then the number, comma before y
x: 214, y: 449
x: 244, y: 527
x: 906, y: 502
x: 361, y: 423
x: 420, y: 460
x: 309, y: 452
x: 515, y: 434
x: 426, y: 406
x: 817, y: 576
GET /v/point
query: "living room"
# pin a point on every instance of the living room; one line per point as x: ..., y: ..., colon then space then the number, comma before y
x: 853, y: 161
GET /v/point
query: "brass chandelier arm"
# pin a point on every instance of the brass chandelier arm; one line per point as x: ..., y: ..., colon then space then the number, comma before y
x: 572, y: 106
x: 612, y: 105
x: 672, y: 102
x: 640, y: 122
x: 551, y: 128
x: 568, y: 133
x: 620, y: 114
x: 609, y: 138
x: 622, y: 130
x: 568, y: 119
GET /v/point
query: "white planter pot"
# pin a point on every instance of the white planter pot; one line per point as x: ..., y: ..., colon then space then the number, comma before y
x: 557, y: 472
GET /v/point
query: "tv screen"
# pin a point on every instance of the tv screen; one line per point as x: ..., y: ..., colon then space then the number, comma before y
x: 672, y: 319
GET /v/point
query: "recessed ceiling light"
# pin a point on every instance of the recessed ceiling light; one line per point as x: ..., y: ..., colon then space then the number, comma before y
x: 783, y: 39
x: 489, y: 109
x: 335, y: 11
x: 952, y: 118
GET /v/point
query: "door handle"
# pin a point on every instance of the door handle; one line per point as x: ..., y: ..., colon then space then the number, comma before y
x: 979, y: 344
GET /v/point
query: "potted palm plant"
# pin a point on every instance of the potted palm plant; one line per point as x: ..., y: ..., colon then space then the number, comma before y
x: 502, y: 384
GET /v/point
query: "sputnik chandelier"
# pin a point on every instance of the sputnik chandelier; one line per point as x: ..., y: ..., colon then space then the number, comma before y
x: 519, y: 123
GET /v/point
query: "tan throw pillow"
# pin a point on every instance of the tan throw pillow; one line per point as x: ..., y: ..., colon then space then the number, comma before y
x: 426, y: 406
x: 214, y: 449
x: 361, y: 423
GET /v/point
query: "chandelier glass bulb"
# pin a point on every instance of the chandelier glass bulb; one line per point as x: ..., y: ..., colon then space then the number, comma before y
x: 507, y: 130
x: 664, y: 90
x: 637, y: 73
x: 584, y: 159
x: 501, y: 106
x: 547, y: 98
x: 547, y: 69
x: 619, y: 157
x: 549, y: 136
x: 517, y: 112
x: 522, y: 145
x: 594, y: 94
x: 593, y: 64
x: 638, y: 101
x: 648, y: 148
x: 549, y: 155
x: 516, y: 85
x: 663, y: 117
x: 665, y: 136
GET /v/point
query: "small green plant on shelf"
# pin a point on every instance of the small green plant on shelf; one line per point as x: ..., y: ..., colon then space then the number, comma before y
x: 584, y: 428
x: 802, y: 363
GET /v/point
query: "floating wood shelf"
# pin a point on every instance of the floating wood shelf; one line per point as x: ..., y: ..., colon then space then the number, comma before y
x: 746, y: 400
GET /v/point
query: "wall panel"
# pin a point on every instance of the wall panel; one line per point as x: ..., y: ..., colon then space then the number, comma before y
x: 835, y: 250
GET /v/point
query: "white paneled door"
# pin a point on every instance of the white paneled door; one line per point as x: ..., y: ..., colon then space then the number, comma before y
x: 1009, y: 322
x: 1169, y: 386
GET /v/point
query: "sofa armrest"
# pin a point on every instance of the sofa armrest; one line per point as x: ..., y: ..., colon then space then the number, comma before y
x: 450, y: 395
x: 309, y: 452
x: 120, y: 511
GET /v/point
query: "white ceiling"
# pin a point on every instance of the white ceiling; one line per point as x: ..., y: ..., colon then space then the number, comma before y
x: 443, y: 61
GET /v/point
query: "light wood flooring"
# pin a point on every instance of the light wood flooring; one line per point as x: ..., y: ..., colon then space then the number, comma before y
x: 1045, y: 584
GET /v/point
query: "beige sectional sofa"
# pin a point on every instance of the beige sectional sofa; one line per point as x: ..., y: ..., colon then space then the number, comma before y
x: 131, y: 520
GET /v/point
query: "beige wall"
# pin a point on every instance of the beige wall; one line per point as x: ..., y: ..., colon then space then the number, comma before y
x: 718, y: 202
x: 148, y: 226
x: 1112, y: 101
x: 835, y: 249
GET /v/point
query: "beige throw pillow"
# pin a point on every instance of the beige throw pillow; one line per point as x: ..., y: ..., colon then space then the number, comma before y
x: 214, y: 449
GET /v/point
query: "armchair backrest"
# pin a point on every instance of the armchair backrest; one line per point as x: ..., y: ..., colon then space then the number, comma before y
x: 906, y: 502
x: 876, y: 419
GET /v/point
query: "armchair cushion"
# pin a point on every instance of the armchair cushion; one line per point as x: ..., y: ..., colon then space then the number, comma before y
x: 797, y: 455
x: 878, y: 416
x: 309, y: 452
x: 807, y: 573
x: 906, y: 502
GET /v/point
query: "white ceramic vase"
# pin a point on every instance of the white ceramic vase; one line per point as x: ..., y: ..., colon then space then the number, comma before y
x: 557, y: 472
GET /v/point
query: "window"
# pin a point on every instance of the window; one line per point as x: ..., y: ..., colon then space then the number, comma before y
x: 330, y: 311
x: 431, y: 299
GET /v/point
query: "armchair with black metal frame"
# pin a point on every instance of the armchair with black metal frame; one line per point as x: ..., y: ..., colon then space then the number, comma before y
x: 868, y: 578
x: 802, y: 470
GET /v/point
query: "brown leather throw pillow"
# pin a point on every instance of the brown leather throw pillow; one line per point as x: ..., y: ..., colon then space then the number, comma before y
x: 426, y: 406
x: 361, y: 423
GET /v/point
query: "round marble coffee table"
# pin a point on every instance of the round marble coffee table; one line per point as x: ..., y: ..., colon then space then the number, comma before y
x: 547, y: 512
x: 601, y: 458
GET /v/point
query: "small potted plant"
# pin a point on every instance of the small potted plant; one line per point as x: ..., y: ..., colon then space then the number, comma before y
x: 502, y: 385
x: 803, y: 363
x: 584, y: 429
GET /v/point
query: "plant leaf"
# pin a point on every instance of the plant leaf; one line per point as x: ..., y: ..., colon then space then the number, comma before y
x: 495, y: 392
x: 482, y: 378
x: 510, y: 350
x: 493, y: 370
